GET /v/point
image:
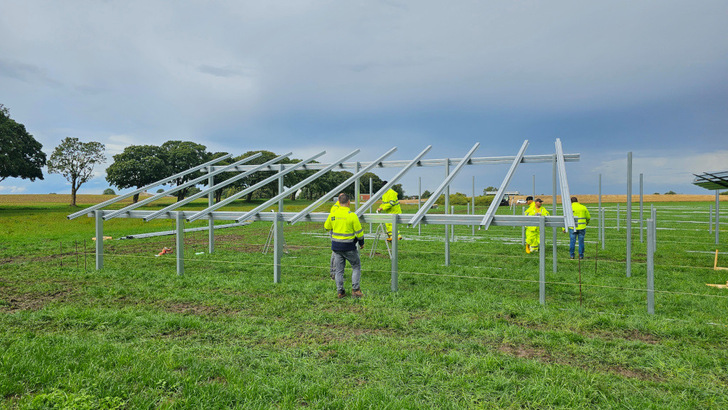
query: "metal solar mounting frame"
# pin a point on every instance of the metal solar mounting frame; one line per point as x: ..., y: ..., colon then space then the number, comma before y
x: 213, y: 212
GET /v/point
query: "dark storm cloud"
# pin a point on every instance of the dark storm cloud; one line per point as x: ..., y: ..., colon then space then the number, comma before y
x: 605, y: 77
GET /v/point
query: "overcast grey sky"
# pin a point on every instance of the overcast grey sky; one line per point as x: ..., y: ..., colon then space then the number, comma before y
x: 303, y: 76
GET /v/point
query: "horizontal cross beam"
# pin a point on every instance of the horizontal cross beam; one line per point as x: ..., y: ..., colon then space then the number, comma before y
x: 527, y: 159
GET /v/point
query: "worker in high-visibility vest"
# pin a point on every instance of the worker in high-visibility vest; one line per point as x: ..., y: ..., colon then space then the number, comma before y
x: 390, y: 205
x: 332, y: 270
x: 346, y: 234
x: 529, y: 203
x: 582, y: 219
x: 533, y: 237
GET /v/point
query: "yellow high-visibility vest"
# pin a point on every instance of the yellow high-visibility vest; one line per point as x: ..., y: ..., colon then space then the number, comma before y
x: 334, y: 207
x: 390, y: 202
x: 581, y: 215
x: 533, y: 211
x: 345, y: 229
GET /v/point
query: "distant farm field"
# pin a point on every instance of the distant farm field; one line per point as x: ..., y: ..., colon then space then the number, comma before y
x: 468, y: 335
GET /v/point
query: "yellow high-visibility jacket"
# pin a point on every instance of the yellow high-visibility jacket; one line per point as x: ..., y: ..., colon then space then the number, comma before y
x: 529, y: 207
x: 533, y: 211
x: 334, y: 207
x: 390, y: 202
x: 581, y: 215
x: 346, y: 230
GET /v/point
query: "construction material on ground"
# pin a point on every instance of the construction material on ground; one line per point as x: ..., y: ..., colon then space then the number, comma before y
x: 720, y: 286
x: 167, y: 233
x: 715, y: 264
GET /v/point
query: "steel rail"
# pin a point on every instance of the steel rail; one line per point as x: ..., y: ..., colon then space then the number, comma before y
x: 144, y: 188
x: 178, y: 187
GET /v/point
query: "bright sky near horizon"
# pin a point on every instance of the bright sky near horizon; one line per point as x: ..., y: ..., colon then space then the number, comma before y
x: 304, y: 76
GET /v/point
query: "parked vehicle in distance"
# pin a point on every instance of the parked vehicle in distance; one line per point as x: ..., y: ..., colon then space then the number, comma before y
x: 520, y: 201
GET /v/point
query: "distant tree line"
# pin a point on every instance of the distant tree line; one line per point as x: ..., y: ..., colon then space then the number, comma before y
x: 140, y: 165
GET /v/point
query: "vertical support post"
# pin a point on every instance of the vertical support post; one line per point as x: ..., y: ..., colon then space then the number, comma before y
x: 467, y: 210
x: 602, y: 226
x: 473, y: 204
x: 447, y: 207
x: 419, y: 202
x: 395, y: 254
x: 371, y: 193
x: 650, y: 267
x: 99, y: 240
x: 600, y: 191
x: 641, y: 207
x: 211, y: 220
x: 710, y: 218
x: 629, y: 214
x: 523, y: 231
x: 653, y: 214
x: 180, y: 241
x: 452, y: 227
x: 280, y: 189
x: 542, y: 261
x: 717, y: 216
x: 357, y: 185
x: 534, y: 186
x: 617, y: 217
x: 553, y: 245
x: 277, y: 247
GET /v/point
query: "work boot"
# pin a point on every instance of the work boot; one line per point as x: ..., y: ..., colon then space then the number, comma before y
x: 341, y: 294
x: 356, y: 293
x: 571, y: 257
x: 581, y: 256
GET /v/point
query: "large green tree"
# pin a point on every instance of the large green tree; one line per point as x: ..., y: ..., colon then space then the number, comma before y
x: 181, y: 156
x: 75, y: 160
x: 20, y: 153
x: 137, y: 166
x: 377, y: 182
x: 266, y: 191
x: 222, y: 176
x: 326, y: 183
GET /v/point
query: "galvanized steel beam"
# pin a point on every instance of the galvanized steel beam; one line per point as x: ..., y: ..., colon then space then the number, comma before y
x: 374, y: 198
x: 344, y: 184
x: 216, y: 187
x: 297, y: 186
x: 528, y: 159
x: 504, y: 185
x: 250, y: 189
x: 179, y: 187
x: 431, y: 219
x: 144, y: 188
x: 564, y: 184
x: 419, y: 215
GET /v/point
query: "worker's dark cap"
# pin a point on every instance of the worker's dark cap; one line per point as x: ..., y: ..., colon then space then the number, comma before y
x: 529, y: 198
x: 539, y: 200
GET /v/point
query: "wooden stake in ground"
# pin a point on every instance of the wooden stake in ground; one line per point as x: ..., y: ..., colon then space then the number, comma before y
x: 716, y: 267
x: 715, y: 264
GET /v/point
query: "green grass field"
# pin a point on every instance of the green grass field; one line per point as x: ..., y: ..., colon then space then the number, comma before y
x: 472, y: 334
